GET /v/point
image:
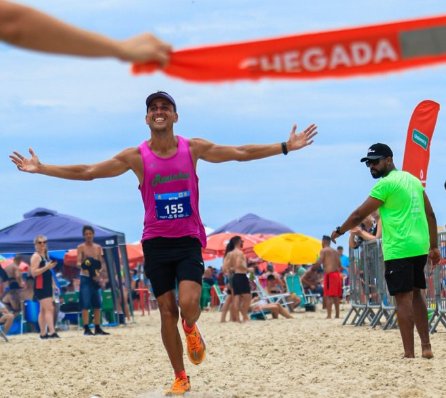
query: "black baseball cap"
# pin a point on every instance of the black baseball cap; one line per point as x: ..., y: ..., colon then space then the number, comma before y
x: 160, y: 94
x: 378, y: 151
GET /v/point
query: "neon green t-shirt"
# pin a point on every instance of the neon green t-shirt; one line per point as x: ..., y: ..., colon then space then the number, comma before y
x: 404, y: 222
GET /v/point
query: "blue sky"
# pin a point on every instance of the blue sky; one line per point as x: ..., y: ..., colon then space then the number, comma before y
x: 72, y: 111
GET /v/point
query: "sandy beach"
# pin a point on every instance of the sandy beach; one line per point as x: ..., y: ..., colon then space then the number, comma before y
x: 308, y: 356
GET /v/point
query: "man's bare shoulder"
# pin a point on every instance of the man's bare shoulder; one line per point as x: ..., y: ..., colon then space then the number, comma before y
x: 129, y: 154
x: 198, y: 142
x: 238, y: 253
x: 199, y: 145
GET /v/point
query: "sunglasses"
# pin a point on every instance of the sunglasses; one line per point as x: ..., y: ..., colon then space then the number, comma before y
x: 41, y: 242
x: 372, y: 162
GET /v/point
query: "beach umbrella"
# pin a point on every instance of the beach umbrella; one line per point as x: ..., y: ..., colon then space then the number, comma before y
x: 253, y: 224
x: 7, y: 261
x: 216, y: 244
x: 208, y: 256
x: 289, y: 248
x: 277, y: 267
x: 2, y: 258
x: 70, y: 258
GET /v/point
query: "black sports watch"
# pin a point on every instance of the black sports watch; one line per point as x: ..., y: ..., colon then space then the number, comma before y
x: 338, y: 231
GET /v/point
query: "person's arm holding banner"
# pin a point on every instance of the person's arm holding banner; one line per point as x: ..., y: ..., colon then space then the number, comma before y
x: 28, y: 28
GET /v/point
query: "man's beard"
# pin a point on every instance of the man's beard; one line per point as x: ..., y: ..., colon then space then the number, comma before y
x: 378, y: 173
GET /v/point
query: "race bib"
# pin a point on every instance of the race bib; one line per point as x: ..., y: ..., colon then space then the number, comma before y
x: 170, y: 206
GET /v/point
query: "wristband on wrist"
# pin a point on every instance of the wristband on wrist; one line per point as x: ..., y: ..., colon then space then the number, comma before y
x: 338, y: 231
x: 284, y: 148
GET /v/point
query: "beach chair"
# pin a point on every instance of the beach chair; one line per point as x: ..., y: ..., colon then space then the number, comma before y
x: 272, y: 298
x: 294, y: 285
x: 74, y: 313
x: 205, y: 299
x: 108, y: 308
x: 220, y: 295
x: 2, y: 334
x: 259, y: 315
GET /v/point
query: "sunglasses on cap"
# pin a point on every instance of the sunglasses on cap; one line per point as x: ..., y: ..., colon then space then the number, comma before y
x: 372, y: 162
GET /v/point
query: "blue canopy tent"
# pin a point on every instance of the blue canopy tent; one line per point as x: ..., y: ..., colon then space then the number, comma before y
x: 64, y: 232
x: 253, y: 224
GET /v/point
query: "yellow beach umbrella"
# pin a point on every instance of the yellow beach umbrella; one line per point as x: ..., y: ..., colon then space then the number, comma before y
x: 289, y: 248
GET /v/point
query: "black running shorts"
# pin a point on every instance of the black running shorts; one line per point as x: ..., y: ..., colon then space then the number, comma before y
x: 168, y: 261
x: 403, y: 274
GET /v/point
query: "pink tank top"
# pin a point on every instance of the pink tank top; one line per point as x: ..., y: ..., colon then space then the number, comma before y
x: 170, y: 195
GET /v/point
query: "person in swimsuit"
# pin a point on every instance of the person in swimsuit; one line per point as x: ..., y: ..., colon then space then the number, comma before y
x: 229, y: 304
x: 272, y: 288
x: 14, y: 273
x: 330, y: 260
x: 6, y: 318
x: 258, y: 304
x: 235, y: 261
x: 90, y: 261
x: 173, y: 234
x: 43, y: 287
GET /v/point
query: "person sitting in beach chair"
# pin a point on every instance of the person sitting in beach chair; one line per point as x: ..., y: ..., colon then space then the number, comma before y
x: 6, y: 319
x: 262, y: 305
x: 272, y: 287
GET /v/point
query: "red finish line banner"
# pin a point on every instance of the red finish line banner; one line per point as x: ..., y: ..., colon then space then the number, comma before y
x: 365, y: 50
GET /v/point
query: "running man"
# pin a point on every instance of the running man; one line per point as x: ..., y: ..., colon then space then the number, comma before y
x: 90, y: 260
x: 235, y: 262
x: 173, y: 235
x: 409, y: 237
x: 331, y: 262
x: 25, y: 27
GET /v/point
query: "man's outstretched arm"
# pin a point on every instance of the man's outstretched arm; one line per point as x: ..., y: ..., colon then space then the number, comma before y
x: 110, y: 168
x: 28, y: 28
x: 202, y: 149
x: 368, y: 207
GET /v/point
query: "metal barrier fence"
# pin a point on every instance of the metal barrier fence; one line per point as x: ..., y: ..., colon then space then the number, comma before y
x: 370, y: 299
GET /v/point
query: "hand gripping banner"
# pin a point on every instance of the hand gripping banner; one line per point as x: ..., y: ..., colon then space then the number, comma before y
x: 419, y: 137
x: 345, y: 53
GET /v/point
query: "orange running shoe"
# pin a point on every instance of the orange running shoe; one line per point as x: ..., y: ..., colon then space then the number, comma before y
x: 179, y: 387
x: 196, y: 347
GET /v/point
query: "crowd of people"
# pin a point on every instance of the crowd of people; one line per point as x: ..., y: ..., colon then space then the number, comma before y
x: 42, y: 285
x: 247, y: 283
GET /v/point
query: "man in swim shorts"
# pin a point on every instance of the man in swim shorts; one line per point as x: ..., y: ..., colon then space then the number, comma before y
x: 409, y: 238
x: 235, y: 261
x: 173, y: 234
x: 330, y: 260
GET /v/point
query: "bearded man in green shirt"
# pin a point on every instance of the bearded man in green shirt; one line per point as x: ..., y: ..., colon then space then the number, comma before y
x: 409, y: 237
